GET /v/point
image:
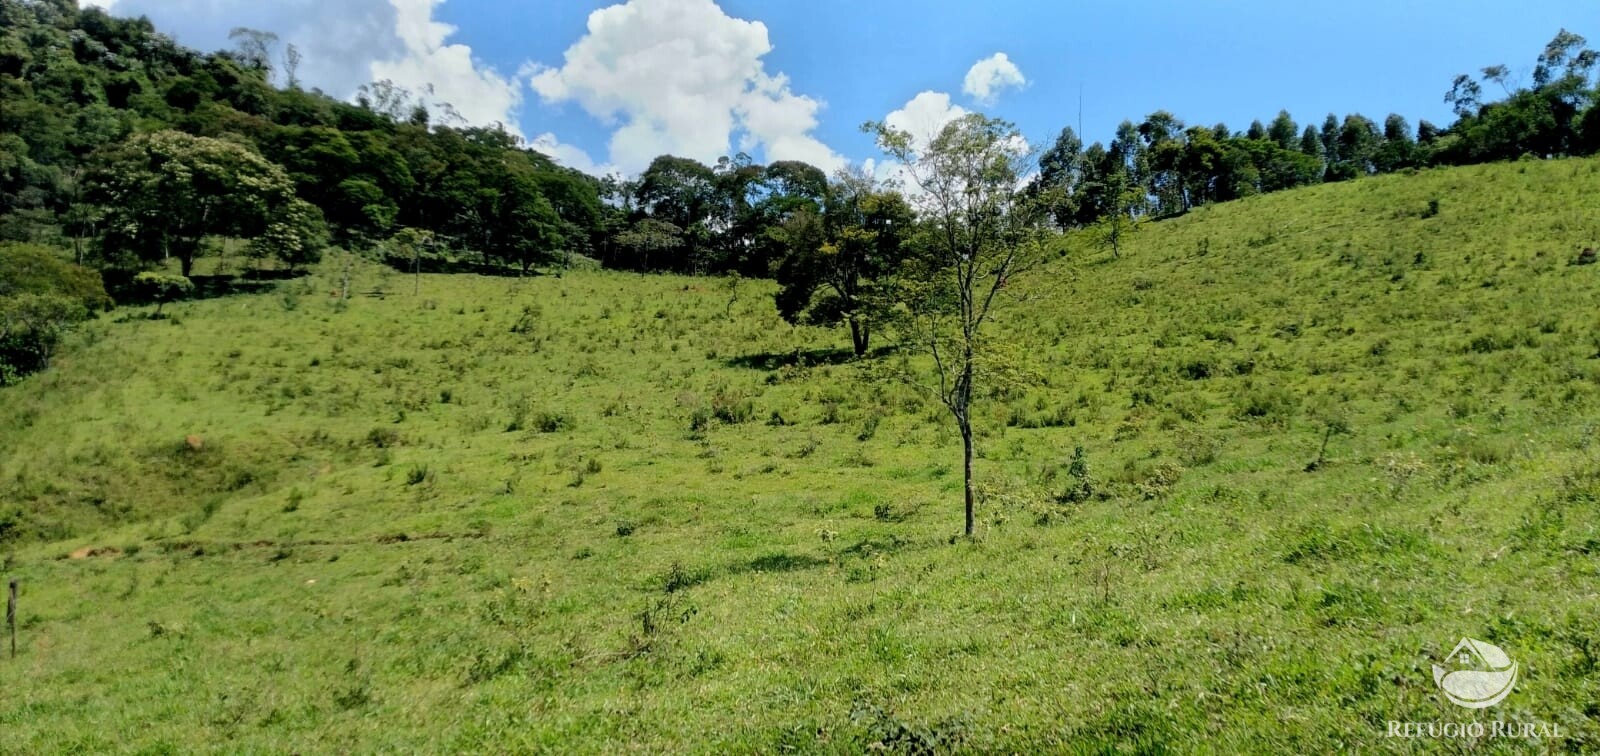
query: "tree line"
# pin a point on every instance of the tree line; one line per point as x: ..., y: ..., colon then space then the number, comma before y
x: 133, y: 153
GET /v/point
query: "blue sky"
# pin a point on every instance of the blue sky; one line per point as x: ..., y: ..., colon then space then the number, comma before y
x: 801, y: 81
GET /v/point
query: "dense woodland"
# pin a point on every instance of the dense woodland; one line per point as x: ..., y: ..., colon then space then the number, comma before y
x: 129, y: 154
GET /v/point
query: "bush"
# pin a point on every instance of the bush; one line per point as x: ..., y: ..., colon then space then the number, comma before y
x: 31, y: 326
x: 41, y: 297
x: 1270, y: 404
x: 34, y: 269
x: 552, y: 422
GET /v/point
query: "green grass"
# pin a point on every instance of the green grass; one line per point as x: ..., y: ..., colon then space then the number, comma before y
x: 608, y: 512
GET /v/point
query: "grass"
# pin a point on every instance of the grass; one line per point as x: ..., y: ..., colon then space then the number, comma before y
x: 605, y: 512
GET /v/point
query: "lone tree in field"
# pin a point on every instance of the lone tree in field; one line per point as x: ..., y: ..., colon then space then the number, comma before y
x: 162, y: 288
x: 978, y: 231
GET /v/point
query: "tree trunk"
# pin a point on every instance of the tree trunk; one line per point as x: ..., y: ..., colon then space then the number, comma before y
x: 966, y: 448
x: 859, y: 334
x: 186, y: 264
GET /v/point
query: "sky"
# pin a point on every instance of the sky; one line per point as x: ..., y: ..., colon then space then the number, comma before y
x: 607, y: 86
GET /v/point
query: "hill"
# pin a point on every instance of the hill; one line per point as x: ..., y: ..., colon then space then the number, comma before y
x: 1325, y: 434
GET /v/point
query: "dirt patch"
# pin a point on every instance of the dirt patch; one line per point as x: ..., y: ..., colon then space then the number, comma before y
x: 89, y: 552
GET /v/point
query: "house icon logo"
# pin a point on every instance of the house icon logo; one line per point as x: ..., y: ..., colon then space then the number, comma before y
x: 1480, y: 674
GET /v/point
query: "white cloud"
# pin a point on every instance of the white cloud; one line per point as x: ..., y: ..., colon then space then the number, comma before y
x: 683, y: 77
x: 988, y: 77
x: 448, y: 72
x: 105, y: 5
x: 570, y: 156
x: 348, y: 43
x: 924, y: 116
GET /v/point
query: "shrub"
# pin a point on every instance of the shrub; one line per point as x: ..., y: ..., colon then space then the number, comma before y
x: 34, y: 269
x: 552, y: 422
x: 1159, y: 481
x: 1080, y: 484
x: 417, y: 475
x: 731, y: 410
x: 41, y: 297
x: 1271, y: 404
x: 31, y: 327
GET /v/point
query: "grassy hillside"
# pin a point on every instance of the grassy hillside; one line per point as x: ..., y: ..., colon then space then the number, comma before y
x: 609, y: 512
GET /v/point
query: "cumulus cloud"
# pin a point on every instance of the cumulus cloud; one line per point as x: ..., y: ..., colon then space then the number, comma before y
x: 448, y: 73
x: 683, y: 77
x: 988, y: 77
x: 924, y: 116
x: 348, y: 43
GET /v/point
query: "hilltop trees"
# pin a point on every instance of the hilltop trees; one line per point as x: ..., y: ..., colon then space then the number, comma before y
x: 76, y: 83
x: 979, y: 231
x: 1552, y: 118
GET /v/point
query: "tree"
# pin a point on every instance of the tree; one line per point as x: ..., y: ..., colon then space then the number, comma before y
x: 1120, y: 218
x: 1398, y: 150
x: 295, y: 236
x: 839, y: 263
x: 166, y: 191
x: 1329, y: 136
x: 1463, y: 96
x: 162, y: 288
x: 649, y: 240
x: 1061, y: 176
x: 515, y: 222
x: 254, y: 47
x: 407, y: 248
x: 1498, y: 74
x: 979, y: 231
x: 1310, y: 143
x: 681, y: 192
x: 291, y: 67
x: 1565, y: 49
x: 35, y: 269
x: 1283, y: 130
x: 1164, y: 143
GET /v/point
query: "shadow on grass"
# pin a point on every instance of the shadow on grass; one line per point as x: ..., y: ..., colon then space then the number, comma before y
x: 781, y: 562
x: 802, y: 358
x: 470, y: 267
x: 119, y: 284
x: 870, y: 546
x: 251, y: 282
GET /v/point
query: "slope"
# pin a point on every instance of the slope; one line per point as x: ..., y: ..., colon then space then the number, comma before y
x: 605, y: 511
